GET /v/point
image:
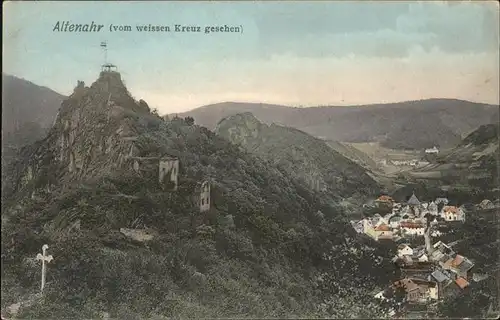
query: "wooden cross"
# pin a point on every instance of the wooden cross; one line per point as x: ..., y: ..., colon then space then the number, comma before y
x: 44, y: 259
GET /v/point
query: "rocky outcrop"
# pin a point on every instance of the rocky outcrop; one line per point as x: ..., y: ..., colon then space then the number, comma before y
x: 96, y: 131
x: 307, y: 158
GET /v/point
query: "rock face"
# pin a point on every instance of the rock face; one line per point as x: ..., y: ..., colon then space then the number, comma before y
x: 305, y: 157
x: 96, y: 131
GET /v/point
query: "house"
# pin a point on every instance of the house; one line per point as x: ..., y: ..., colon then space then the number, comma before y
x: 406, y: 210
x: 433, y: 208
x: 369, y: 229
x: 486, y: 204
x: 441, y: 200
x: 394, y: 221
x: 432, y: 150
x: 461, y: 266
x: 385, y: 198
x: 384, y: 201
x: 411, y: 228
x: 441, y: 252
x: 462, y: 283
x: 407, y: 256
x: 418, y: 290
x: 422, y: 257
x: 379, y: 220
x: 413, y: 201
x: 404, y: 250
x: 357, y: 226
x: 378, y: 230
x: 443, y: 279
x: 452, y: 213
x: 436, y: 233
x: 383, y: 232
x: 204, y: 196
x: 440, y: 277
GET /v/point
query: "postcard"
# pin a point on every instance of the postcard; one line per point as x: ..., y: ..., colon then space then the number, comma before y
x: 250, y: 159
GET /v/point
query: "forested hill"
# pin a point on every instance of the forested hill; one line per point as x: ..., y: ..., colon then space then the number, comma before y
x: 470, y: 170
x: 28, y: 110
x: 307, y: 158
x: 267, y: 247
x: 409, y: 125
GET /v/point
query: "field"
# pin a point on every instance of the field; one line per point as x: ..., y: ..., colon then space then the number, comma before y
x: 378, y: 153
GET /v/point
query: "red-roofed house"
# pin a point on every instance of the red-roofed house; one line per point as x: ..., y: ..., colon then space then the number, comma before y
x: 452, y: 213
x: 457, y: 260
x: 461, y: 282
x: 412, y: 228
x: 385, y: 198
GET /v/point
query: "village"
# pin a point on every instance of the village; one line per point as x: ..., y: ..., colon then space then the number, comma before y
x: 406, y: 220
x: 428, y: 272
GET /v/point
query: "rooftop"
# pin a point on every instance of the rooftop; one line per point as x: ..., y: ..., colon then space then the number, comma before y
x: 461, y: 282
x: 383, y: 227
x: 385, y: 198
x: 411, y: 225
x: 451, y: 209
x: 439, y: 276
x: 413, y: 200
x: 458, y: 260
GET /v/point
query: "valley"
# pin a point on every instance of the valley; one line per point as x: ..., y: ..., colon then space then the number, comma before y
x: 148, y: 216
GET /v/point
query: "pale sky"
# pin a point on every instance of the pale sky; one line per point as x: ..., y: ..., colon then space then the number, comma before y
x: 292, y: 53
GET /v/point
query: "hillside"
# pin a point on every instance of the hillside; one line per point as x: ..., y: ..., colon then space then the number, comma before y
x: 28, y: 111
x: 23, y: 101
x: 267, y: 246
x: 307, y: 158
x: 411, y: 125
x: 354, y: 154
x: 472, y: 165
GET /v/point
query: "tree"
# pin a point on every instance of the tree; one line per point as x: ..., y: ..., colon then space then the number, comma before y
x: 189, y: 121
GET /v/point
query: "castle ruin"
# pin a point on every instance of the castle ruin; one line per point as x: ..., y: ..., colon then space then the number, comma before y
x: 168, y: 170
x: 204, y: 196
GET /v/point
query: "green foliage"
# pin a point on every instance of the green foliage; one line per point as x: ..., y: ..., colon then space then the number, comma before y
x: 262, y: 261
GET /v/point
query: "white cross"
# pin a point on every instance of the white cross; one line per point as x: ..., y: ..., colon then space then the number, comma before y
x: 44, y: 258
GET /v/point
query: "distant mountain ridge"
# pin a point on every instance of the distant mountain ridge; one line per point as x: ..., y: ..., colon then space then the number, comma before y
x: 24, y: 101
x: 28, y: 110
x: 411, y: 124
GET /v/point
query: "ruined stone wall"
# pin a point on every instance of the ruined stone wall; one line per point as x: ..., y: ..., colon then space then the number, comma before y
x: 204, y: 200
x: 168, y: 170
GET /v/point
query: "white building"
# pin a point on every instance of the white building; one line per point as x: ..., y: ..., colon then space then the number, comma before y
x: 404, y: 250
x: 423, y: 258
x: 410, y: 228
x: 452, y: 213
x: 441, y: 200
x: 432, y: 150
x: 433, y: 208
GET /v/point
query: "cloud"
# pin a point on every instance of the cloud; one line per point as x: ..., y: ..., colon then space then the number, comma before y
x: 292, y: 80
x: 335, y: 29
